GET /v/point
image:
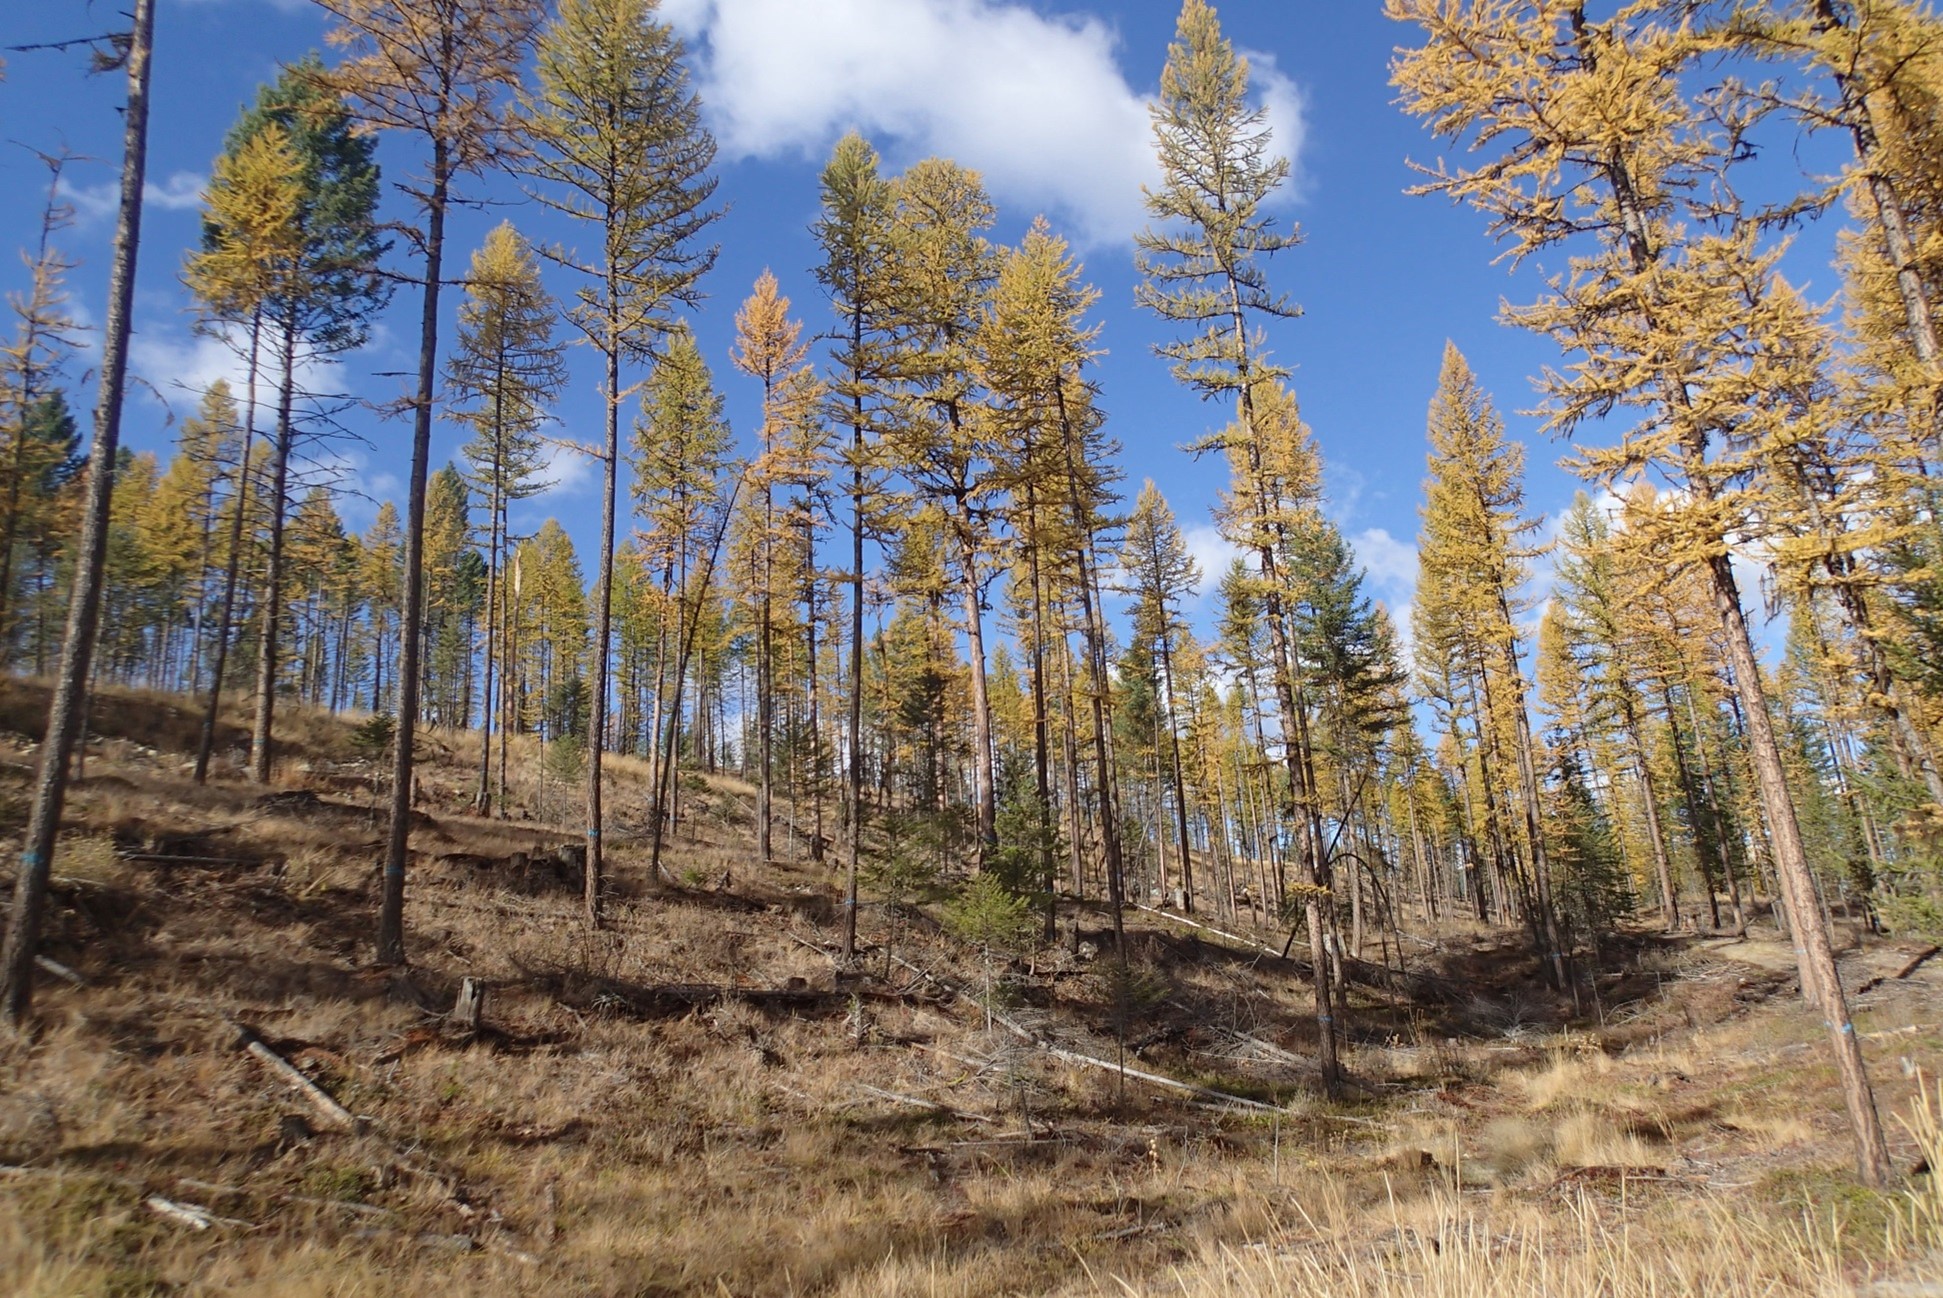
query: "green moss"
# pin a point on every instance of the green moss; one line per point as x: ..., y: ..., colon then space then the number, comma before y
x: 1832, y: 1199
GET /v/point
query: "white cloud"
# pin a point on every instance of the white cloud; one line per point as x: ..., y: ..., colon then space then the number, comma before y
x: 181, y: 192
x: 1212, y: 553
x: 1037, y: 103
x: 567, y: 470
x: 1390, y: 563
x: 182, y: 366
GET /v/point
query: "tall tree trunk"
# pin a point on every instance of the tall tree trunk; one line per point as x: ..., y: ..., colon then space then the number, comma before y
x: 68, y: 708
x: 482, y: 800
x: 1041, y: 733
x: 391, y: 912
x: 603, y: 622
x: 226, y: 616
x: 1541, y: 868
x: 1898, y: 243
x: 1180, y: 782
x: 1649, y: 795
x: 1094, y: 631
x: 271, y: 615
x: 813, y: 721
x: 984, y: 791
x: 855, y: 805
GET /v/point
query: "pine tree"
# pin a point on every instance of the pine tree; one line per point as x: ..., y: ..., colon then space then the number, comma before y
x: 433, y: 69
x: 618, y: 141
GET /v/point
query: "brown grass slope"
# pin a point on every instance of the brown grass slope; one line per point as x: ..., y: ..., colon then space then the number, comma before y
x: 698, y: 1100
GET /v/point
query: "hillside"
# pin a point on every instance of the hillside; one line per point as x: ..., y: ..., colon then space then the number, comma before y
x: 699, y: 1099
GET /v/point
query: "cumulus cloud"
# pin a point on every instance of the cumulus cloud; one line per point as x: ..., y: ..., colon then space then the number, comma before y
x: 1038, y: 103
x: 1211, y: 552
x: 1391, y: 567
x: 181, y: 192
x: 567, y: 469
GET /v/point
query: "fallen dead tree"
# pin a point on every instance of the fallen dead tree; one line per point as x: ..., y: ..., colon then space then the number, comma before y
x: 661, y: 1000
x: 1057, y: 1051
x: 1417, y: 987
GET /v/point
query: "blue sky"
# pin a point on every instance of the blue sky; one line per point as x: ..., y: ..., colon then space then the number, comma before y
x: 1045, y: 98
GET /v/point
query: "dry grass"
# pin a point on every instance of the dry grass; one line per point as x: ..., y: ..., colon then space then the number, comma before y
x: 606, y: 1137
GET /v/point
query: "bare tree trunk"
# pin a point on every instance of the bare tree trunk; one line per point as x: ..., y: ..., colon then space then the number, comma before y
x: 1814, y: 953
x: 1649, y: 795
x: 482, y: 800
x: 391, y: 913
x: 65, y: 715
x: 855, y: 806
x: 984, y: 794
x: 227, y: 615
x: 272, y: 612
x: 603, y: 626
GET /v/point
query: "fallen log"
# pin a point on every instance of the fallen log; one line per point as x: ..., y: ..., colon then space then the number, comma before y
x: 1916, y: 962
x: 333, y: 1113
x: 59, y: 970
x: 191, y: 1215
x: 169, y: 858
x: 919, y: 1103
x: 1088, y: 1061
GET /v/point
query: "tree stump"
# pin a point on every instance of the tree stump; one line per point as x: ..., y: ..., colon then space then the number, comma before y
x: 470, y: 1008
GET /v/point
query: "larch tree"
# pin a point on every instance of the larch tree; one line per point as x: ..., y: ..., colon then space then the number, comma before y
x: 250, y: 234
x: 854, y: 235
x: 1202, y: 268
x: 68, y: 708
x: 32, y: 361
x: 436, y: 70
x: 1162, y: 577
x: 1470, y: 550
x: 618, y: 142
x: 769, y: 348
x: 506, y: 369
x: 1585, y: 132
x: 322, y: 292
x: 1591, y: 593
x: 939, y: 438
x: 1035, y: 347
x: 681, y: 451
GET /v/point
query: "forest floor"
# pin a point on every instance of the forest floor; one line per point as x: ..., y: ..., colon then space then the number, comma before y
x: 700, y: 1100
